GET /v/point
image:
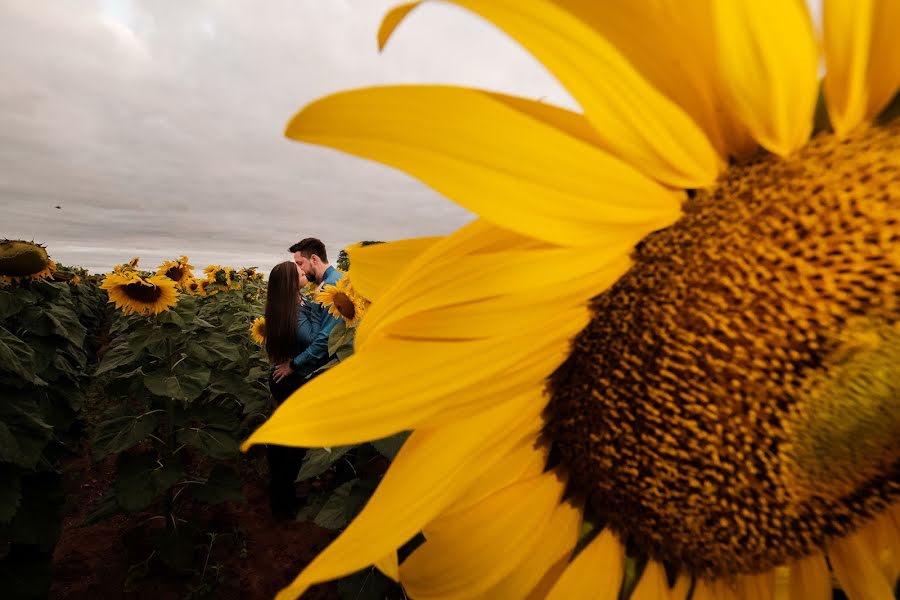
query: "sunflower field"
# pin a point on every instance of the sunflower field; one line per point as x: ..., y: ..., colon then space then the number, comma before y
x: 144, y: 384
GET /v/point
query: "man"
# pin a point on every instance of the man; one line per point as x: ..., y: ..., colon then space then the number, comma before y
x: 312, y: 259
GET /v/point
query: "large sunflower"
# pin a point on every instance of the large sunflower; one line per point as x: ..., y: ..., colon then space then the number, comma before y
x: 343, y: 301
x: 141, y: 295
x: 24, y: 261
x: 178, y: 271
x: 678, y: 333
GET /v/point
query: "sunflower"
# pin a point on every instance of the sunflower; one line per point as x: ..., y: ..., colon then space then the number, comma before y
x: 178, y: 271
x: 258, y: 331
x: 24, y: 261
x: 141, y: 295
x: 194, y: 287
x: 343, y: 302
x: 673, y: 369
x: 129, y: 267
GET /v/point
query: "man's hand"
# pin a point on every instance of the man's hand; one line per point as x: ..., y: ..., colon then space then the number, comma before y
x: 282, y: 370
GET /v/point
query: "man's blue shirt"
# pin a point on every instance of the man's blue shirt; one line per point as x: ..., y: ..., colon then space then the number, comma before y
x: 316, y: 354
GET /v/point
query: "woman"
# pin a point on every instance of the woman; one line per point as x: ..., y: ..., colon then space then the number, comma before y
x: 291, y: 326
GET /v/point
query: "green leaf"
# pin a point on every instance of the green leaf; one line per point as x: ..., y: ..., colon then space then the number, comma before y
x: 11, y: 304
x: 117, y: 356
x: 186, y: 385
x: 23, y: 432
x: 340, y: 341
x: 334, y: 514
x: 319, y: 460
x: 16, y: 356
x: 214, y: 443
x: 119, y: 433
x: 390, y: 446
x: 141, y: 479
x: 65, y: 323
x: 222, y: 485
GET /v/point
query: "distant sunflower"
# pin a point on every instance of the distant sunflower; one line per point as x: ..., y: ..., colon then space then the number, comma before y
x: 178, y: 271
x: 195, y: 287
x: 342, y: 301
x: 258, y: 331
x: 24, y: 261
x: 129, y: 267
x: 667, y: 355
x: 144, y: 296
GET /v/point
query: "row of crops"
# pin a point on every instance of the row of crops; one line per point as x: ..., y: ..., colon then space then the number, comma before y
x: 161, y: 372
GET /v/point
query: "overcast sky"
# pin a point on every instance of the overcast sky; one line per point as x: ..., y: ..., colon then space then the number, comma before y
x: 156, y: 126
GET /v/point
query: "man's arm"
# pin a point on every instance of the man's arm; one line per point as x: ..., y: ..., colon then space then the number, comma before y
x: 317, y: 351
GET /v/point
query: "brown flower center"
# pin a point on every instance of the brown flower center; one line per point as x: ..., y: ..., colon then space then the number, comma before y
x: 142, y: 292
x: 735, y: 400
x: 345, y: 305
x: 175, y: 273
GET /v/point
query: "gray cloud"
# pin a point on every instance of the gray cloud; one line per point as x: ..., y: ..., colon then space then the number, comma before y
x: 156, y: 126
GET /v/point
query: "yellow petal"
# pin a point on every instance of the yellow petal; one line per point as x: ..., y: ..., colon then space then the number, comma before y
x: 389, y: 566
x: 525, y: 461
x: 635, y: 120
x: 653, y: 584
x: 554, y: 544
x: 810, y: 579
x: 595, y: 574
x: 374, y: 266
x: 398, y: 385
x: 467, y: 553
x: 884, y: 538
x: 680, y: 62
x: 856, y: 565
x: 503, y: 296
x: 757, y: 587
x: 497, y: 156
x: 714, y: 590
x: 682, y: 587
x: 431, y: 470
x: 862, y: 57
x: 768, y: 61
x: 391, y: 20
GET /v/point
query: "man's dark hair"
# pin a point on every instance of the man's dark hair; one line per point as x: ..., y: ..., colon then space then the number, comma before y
x: 309, y: 246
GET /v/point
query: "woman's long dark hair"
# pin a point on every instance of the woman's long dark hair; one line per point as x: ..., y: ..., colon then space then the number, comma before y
x: 282, y: 295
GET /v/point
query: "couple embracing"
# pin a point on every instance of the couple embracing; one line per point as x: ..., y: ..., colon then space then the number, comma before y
x: 297, y: 331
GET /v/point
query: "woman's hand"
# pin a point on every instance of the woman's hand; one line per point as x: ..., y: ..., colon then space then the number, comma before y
x: 282, y: 370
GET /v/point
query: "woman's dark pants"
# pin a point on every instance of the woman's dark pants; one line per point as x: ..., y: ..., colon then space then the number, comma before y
x: 284, y: 461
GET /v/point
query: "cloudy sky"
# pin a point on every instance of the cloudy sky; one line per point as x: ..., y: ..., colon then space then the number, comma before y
x: 156, y: 126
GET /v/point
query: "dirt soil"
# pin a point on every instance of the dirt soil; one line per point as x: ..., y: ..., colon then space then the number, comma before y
x: 252, y: 556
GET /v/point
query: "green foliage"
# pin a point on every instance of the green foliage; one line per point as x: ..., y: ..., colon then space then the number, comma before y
x: 45, y: 350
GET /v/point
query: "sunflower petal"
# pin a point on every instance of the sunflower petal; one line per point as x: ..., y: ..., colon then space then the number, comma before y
x: 757, y: 587
x: 855, y: 562
x: 595, y: 574
x: 374, y: 266
x: 429, y: 297
x: 636, y: 121
x: 467, y: 553
x: 810, y: 579
x: 682, y: 587
x: 653, y: 584
x: 389, y: 566
x: 768, y: 61
x: 431, y: 470
x: 372, y: 395
x: 555, y: 543
x: 493, y: 156
x: 713, y: 590
x: 680, y: 62
x: 862, y: 56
